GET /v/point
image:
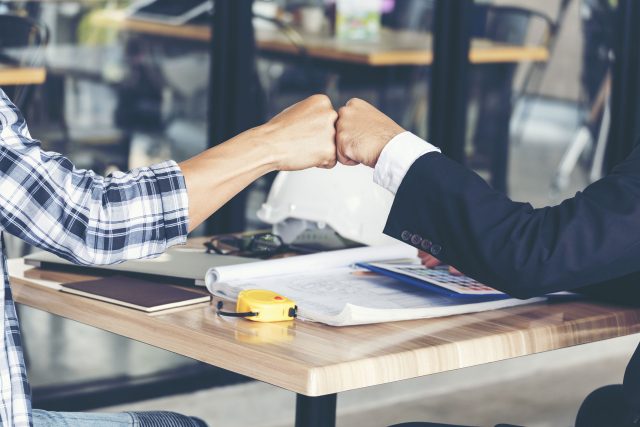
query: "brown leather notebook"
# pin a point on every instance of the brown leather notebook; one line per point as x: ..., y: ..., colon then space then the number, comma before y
x: 134, y: 293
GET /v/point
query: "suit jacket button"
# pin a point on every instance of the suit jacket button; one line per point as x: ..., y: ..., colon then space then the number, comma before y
x: 416, y: 239
x: 406, y: 236
x: 426, y: 244
x: 435, y: 250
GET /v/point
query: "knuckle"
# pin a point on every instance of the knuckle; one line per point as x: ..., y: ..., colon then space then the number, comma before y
x: 356, y: 102
x: 330, y: 121
x: 352, y: 102
x: 320, y: 99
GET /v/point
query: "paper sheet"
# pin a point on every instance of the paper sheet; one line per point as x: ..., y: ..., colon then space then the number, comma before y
x: 304, y: 263
x: 344, y: 296
x: 17, y: 268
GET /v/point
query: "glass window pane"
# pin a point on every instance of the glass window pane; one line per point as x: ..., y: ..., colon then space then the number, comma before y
x: 534, y: 122
x: 378, y: 51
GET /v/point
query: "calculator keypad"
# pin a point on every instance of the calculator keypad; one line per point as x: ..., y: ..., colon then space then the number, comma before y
x: 445, y: 279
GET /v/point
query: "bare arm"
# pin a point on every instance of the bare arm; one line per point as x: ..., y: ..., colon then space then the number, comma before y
x: 90, y: 219
x: 298, y: 138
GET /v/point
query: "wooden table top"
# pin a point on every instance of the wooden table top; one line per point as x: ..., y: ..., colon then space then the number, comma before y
x: 314, y: 359
x: 392, y: 49
x: 12, y: 76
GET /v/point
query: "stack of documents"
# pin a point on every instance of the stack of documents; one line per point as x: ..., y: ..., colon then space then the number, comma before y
x: 328, y: 289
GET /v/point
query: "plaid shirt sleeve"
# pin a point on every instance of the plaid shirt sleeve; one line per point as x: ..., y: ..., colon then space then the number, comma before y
x: 74, y: 213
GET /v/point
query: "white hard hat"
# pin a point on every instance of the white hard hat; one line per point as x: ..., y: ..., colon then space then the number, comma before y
x: 344, y: 198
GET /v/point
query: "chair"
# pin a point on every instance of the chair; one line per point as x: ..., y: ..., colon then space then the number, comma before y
x: 535, y: 72
x: 590, y: 140
x: 598, y: 119
x: 512, y: 25
x: 410, y: 15
x: 506, y: 24
x: 26, y: 38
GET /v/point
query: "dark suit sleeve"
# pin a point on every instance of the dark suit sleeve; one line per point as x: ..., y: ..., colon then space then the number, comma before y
x: 594, y: 237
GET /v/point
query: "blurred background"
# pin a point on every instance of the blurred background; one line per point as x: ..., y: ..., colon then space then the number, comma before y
x: 521, y: 91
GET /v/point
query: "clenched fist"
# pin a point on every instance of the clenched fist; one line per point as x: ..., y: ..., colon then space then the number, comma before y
x: 303, y: 135
x: 362, y: 133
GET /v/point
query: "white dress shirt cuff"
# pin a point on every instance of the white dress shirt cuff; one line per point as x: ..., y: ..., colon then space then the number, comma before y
x: 397, y: 157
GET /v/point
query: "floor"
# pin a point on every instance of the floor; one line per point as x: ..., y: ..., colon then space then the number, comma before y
x: 536, y: 391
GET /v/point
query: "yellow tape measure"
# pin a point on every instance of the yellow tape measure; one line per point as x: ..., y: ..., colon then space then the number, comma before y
x: 262, y: 306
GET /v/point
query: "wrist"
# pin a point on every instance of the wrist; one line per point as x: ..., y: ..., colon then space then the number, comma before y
x: 274, y: 155
x: 385, y: 139
x: 251, y: 148
x: 261, y: 140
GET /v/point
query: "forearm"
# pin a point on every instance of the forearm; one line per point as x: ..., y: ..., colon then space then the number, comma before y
x: 587, y: 239
x: 91, y: 219
x: 300, y: 137
x: 216, y: 175
x: 448, y: 211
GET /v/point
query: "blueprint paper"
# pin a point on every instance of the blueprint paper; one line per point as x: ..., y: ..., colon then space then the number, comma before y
x: 346, y: 296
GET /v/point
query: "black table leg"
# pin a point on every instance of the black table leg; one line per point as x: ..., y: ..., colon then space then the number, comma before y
x: 316, y: 411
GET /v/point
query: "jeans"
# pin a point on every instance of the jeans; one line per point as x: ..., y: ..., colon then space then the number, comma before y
x: 122, y: 419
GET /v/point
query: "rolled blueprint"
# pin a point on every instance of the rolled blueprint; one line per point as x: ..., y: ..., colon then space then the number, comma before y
x: 308, y: 263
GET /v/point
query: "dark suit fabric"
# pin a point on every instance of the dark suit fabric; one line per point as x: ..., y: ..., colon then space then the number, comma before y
x: 590, y: 239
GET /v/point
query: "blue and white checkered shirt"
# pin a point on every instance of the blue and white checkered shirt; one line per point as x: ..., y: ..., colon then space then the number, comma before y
x: 77, y: 215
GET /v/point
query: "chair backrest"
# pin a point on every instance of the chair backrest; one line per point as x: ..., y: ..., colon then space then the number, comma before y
x: 509, y: 24
x: 20, y: 31
x: 412, y: 15
x: 26, y: 37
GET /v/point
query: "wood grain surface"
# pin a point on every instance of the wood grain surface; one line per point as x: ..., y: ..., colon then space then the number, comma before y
x: 392, y: 49
x: 12, y: 76
x: 315, y: 359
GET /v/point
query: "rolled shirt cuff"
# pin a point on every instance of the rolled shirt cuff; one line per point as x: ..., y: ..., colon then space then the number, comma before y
x: 397, y: 157
x: 170, y: 185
